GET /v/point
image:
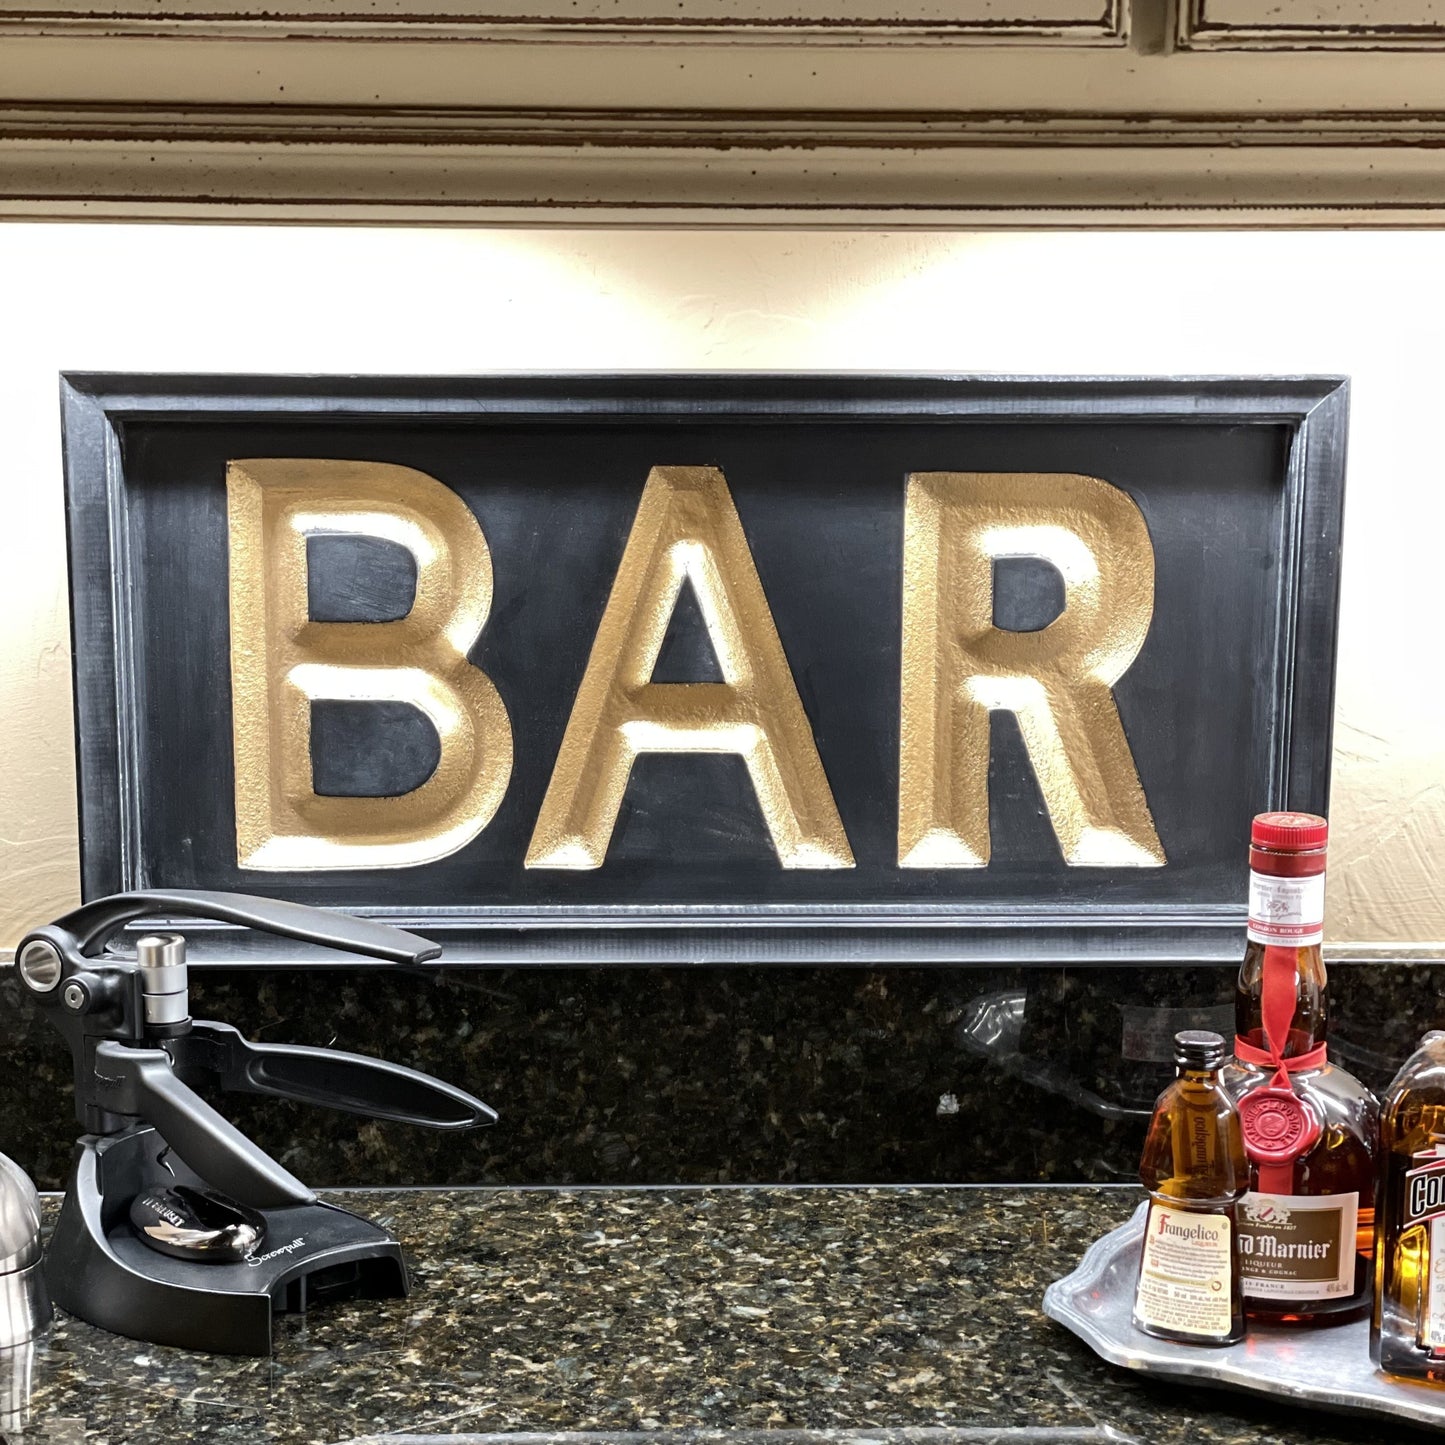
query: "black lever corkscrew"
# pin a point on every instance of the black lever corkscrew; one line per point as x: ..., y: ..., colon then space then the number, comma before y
x: 138, y: 1058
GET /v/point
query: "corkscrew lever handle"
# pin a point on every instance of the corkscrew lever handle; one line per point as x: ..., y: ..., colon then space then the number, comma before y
x: 92, y: 924
x: 354, y: 1083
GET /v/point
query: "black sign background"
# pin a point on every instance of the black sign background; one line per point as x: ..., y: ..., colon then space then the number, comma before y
x: 1227, y: 707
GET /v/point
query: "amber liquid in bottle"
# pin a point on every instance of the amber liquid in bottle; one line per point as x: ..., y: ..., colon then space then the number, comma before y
x: 1407, y: 1329
x: 1307, y: 1223
x: 1342, y: 1160
x: 1195, y: 1170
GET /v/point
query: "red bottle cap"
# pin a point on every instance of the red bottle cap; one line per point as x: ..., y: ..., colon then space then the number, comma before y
x: 1289, y: 832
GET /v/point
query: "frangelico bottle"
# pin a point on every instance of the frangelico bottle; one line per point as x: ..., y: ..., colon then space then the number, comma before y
x: 1195, y: 1170
x: 1407, y: 1329
x: 1307, y: 1223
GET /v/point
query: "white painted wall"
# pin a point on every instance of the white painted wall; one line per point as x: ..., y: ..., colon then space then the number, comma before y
x: 312, y: 300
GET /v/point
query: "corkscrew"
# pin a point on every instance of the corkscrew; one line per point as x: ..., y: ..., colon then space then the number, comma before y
x: 176, y: 1227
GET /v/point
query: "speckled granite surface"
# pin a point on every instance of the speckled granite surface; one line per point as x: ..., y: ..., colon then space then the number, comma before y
x: 678, y: 1310
x: 758, y: 1075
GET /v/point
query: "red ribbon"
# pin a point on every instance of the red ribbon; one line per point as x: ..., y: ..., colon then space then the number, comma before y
x: 1278, y: 995
x: 1246, y: 1053
x: 1268, y: 1127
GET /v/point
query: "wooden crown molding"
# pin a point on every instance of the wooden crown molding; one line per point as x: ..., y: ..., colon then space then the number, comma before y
x: 896, y: 132
x: 768, y: 22
x: 557, y: 169
x: 1343, y: 24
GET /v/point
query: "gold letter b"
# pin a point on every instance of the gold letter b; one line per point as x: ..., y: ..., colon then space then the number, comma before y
x: 281, y: 661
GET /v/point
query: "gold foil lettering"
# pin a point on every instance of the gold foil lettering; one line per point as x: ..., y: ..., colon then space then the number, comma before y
x: 1058, y: 681
x: 687, y: 528
x: 281, y: 661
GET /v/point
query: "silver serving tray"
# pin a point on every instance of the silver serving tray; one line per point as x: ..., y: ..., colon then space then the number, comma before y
x: 1328, y: 1368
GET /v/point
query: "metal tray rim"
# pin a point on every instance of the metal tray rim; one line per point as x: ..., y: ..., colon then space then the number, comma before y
x: 1230, y: 1367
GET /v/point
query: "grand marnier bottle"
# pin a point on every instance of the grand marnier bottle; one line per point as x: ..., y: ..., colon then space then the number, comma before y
x: 1307, y: 1223
x: 1407, y: 1329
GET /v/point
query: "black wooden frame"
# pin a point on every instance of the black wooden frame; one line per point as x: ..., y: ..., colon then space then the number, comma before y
x: 1315, y: 408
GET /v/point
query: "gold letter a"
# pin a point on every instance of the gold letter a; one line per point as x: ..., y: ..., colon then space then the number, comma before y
x: 687, y: 528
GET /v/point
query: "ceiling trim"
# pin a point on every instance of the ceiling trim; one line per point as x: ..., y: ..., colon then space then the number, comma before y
x: 566, y: 168
x: 1310, y: 24
x: 861, y: 23
x: 891, y: 134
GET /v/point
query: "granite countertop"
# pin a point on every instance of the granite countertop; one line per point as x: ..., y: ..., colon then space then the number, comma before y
x: 908, y: 1314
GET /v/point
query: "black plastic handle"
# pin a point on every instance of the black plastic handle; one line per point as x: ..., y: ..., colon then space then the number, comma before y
x: 140, y: 1083
x: 350, y: 1082
x: 92, y: 924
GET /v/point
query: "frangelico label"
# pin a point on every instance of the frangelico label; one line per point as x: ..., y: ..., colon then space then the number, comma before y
x: 1184, y: 1275
x: 1296, y: 1247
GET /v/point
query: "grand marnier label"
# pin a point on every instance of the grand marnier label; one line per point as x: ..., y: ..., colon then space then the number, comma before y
x: 1297, y: 1248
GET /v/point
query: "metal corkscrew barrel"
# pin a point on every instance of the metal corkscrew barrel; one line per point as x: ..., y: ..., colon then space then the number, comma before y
x: 162, y: 957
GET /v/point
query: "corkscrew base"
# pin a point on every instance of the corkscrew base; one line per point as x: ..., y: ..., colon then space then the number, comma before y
x: 100, y: 1271
x: 1327, y: 1367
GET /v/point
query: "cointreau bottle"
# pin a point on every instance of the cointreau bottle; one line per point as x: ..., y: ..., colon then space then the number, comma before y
x: 1307, y: 1223
x: 1407, y: 1329
x: 1195, y: 1170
